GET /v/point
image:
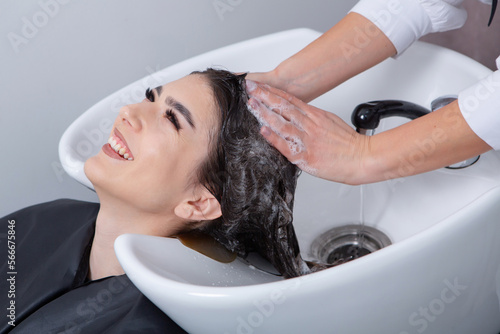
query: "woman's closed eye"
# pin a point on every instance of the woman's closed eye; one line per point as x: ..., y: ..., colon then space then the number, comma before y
x: 150, y: 95
x: 170, y: 115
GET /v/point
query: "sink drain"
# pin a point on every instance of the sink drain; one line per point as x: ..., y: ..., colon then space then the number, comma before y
x: 346, y: 243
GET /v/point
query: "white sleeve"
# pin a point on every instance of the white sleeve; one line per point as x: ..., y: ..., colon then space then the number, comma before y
x: 480, y: 106
x: 405, y: 21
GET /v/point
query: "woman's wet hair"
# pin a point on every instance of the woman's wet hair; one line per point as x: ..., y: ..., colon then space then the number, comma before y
x: 253, y: 182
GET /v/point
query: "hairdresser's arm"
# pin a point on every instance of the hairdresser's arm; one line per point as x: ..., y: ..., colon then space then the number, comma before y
x: 373, y: 31
x: 439, y: 139
x: 350, y: 47
x: 325, y: 146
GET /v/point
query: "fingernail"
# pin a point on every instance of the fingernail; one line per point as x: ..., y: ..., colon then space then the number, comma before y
x: 265, y: 131
x: 251, y: 85
x: 252, y: 103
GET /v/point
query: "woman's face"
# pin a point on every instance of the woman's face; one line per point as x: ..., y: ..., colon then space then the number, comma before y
x: 161, y: 142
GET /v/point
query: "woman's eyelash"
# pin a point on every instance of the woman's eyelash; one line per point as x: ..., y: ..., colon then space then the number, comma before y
x: 169, y: 114
x: 172, y: 118
x: 149, y: 95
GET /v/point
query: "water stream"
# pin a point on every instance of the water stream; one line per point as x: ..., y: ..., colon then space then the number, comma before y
x: 361, y: 216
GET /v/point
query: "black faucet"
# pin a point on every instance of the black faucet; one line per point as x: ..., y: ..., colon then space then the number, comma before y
x: 366, y: 116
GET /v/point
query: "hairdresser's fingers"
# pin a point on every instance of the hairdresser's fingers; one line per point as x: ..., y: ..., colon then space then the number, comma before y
x: 294, y: 148
x: 285, y: 136
x: 284, y: 95
x: 271, y: 119
x: 313, y: 118
x: 302, y: 115
x: 318, y: 142
x: 280, y: 104
x: 259, y: 92
x: 280, y: 143
x: 308, y: 112
x: 328, y: 148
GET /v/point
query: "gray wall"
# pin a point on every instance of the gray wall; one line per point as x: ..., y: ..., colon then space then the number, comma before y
x: 59, y: 57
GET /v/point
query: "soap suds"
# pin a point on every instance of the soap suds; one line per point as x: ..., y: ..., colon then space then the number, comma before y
x: 285, y: 109
x: 304, y: 268
x: 295, y: 144
x: 258, y: 115
x: 251, y: 85
x: 303, y: 165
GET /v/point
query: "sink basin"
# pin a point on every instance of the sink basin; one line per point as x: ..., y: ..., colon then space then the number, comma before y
x: 441, y: 274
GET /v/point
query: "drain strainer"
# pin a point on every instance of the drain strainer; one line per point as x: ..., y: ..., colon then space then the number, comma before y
x: 346, y: 243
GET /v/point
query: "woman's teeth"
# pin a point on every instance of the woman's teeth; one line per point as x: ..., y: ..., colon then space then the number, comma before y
x: 119, y: 149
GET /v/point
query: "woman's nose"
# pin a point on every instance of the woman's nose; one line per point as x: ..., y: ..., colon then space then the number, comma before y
x: 132, y: 116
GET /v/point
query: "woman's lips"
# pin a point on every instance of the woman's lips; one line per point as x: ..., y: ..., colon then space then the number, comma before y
x: 109, y: 151
x: 117, y: 147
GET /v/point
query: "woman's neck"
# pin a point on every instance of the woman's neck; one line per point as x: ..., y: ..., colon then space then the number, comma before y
x: 113, y: 221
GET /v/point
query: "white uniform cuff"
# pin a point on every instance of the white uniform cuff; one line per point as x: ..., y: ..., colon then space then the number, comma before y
x: 405, y: 21
x: 480, y: 106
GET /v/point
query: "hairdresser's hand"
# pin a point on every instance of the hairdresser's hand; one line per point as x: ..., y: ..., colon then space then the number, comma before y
x: 270, y: 78
x: 284, y: 81
x: 318, y: 142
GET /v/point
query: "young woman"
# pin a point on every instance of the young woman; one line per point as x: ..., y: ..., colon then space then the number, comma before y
x: 189, y: 157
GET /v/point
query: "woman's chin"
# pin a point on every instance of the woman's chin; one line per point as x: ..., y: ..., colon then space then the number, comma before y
x: 92, y: 171
x: 106, y: 184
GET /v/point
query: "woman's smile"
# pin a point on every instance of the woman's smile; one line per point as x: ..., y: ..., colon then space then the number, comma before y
x: 117, y: 143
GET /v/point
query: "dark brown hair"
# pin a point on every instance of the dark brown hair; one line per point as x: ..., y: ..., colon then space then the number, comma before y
x: 253, y: 182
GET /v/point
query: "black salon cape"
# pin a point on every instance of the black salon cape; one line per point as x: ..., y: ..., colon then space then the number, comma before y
x: 52, y: 294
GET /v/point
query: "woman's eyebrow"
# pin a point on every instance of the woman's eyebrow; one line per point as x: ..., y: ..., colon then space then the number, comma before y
x: 170, y: 101
x: 158, y: 90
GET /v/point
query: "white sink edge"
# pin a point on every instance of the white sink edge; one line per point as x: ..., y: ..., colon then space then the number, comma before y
x: 343, y: 273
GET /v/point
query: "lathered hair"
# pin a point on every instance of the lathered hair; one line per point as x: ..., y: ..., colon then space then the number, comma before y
x: 253, y: 182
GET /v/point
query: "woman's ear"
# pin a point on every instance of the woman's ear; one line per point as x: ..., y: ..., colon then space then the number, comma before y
x: 202, y: 207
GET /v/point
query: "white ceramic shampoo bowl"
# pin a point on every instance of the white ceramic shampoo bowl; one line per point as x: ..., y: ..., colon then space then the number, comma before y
x: 441, y: 274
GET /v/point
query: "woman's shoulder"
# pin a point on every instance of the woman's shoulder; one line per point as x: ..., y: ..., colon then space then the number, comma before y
x: 62, y: 216
x: 112, y: 305
x: 63, y: 206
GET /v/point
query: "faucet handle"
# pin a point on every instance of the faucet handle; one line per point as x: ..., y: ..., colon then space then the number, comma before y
x: 442, y: 101
x: 366, y: 116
